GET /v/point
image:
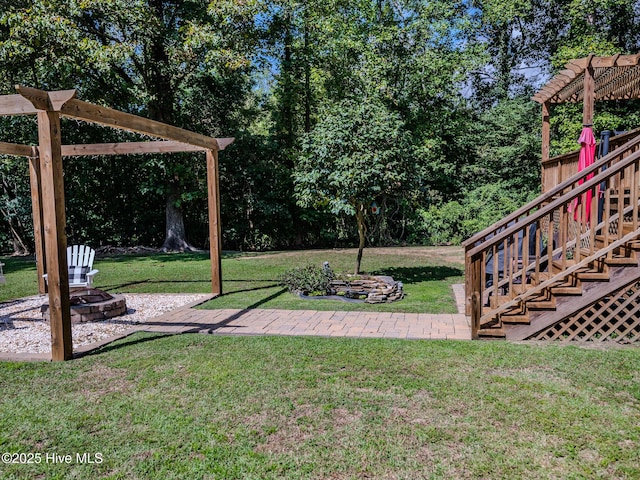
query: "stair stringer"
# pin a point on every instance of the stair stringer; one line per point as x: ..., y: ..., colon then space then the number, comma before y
x: 592, y: 292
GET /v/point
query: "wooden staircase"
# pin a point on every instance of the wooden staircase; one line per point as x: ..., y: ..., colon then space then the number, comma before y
x: 558, y: 301
x: 559, y: 256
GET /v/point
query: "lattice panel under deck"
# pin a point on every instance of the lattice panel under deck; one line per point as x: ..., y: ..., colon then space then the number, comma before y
x: 613, y: 319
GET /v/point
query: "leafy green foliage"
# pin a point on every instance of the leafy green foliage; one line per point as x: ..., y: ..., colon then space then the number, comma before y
x: 307, y: 279
x: 453, y: 221
x: 356, y: 153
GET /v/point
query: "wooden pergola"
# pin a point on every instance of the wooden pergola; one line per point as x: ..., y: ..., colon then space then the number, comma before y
x: 588, y: 80
x: 47, y: 187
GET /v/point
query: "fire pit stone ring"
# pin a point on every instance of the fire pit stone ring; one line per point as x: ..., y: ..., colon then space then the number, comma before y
x: 91, y: 305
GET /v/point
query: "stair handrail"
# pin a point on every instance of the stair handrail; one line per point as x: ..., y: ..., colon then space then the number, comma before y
x: 560, y: 276
x: 513, y: 217
x: 563, y: 199
x: 568, y: 245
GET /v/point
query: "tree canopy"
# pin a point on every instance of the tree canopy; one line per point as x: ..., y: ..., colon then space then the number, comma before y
x: 429, y: 101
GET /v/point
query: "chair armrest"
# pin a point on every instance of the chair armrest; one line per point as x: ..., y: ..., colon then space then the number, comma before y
x: 92, y: 272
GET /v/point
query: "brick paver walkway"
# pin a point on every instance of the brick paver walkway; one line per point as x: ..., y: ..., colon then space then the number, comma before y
x: 312, y: 322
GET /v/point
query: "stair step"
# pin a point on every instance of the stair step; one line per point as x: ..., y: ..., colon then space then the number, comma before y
x: 519, y: 289
x: 592, y: 276
x: 495, y: 332
x: 627, y: 227
x: 515, y: 319
x: 542, y: 305
x: 589, y: 274
x: 496, y: 302
x: 622, y: 261
x: 620, y: 257
x: 566, y: 289
x: 490, y: 323
x: 557, y: 266
x: 632, y: 244
x: 540, y: 277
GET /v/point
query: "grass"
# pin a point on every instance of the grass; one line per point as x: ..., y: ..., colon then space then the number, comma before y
x: 197, y: 406
x: 250, y: 280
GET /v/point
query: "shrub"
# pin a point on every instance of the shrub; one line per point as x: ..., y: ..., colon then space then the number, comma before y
x: 307, y: 279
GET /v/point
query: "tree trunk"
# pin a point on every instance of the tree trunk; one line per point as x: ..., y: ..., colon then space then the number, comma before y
x: 362, y: 233
x: 15, y: 225
x: 175, y: 235
x: 19, y: 244
x: 162, y: 108
x: 307, y: 74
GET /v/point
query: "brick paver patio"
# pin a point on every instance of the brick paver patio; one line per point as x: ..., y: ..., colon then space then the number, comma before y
x: 296, y: 322
x: 311, y: 322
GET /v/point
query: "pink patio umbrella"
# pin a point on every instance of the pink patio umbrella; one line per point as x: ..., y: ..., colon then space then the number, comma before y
x: 587, y: 156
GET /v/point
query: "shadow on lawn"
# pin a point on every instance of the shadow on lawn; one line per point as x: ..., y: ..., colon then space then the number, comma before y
x: 148, y: 281
x: 210, y: 328
x: 122, y: 343
x: 420, y: 274
x: 244, y: 290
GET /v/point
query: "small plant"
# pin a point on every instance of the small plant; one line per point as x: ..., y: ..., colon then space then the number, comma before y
x: 307, y: 279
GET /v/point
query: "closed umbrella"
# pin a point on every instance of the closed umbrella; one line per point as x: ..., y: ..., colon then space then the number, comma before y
x: 587, y: 155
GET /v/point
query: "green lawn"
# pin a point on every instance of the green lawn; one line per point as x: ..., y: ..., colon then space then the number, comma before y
x: 250, y: 280
x: 206, y: 407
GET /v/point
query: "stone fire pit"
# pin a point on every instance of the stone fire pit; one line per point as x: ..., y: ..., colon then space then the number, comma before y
x: 90, y: 305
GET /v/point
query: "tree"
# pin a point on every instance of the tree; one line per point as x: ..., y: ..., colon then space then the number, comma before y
x: 357, y: 152
x: 148, y: 57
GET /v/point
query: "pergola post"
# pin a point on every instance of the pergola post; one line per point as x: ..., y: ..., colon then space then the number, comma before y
x: 55, y: 239
x: 589, y: 95
x: 546, y: 142
x: 546, y: 132
x: 36, y: 208
x: 215, y: 236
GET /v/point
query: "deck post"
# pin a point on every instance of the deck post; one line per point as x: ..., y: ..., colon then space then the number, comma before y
x: 55, y: 239
x: 36, y: 208
x: 475, y: 295
x: 215, y: 236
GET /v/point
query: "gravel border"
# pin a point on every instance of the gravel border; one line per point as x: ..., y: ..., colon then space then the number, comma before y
x: 22, y: 329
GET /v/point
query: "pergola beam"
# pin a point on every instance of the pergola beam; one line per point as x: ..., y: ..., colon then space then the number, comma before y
x: 16, y: 105
x: 121, y: 148
x: 125, y: 148
x: 126, y: 121
x: 17, y: 149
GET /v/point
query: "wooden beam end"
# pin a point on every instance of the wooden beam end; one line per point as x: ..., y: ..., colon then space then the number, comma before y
x: 224, y: 142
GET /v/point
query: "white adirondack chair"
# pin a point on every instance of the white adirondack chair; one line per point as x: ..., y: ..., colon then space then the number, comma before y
x: 80, y: 264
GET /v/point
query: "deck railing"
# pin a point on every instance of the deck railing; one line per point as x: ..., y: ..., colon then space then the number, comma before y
x: 558, y: 169
x: 567, y: 228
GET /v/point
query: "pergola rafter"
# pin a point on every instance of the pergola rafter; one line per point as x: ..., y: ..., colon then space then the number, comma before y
x: 588, y: 80
x: 47, y: 188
